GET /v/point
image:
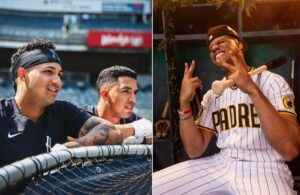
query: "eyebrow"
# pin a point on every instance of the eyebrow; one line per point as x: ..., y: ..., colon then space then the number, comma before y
x: 127, y: 87
x: 53, y: 68
x: 216, y: 42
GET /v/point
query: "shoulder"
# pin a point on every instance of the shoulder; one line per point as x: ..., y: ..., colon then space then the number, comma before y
x: 7, y: 110
x: 91, y: 109
x: 271, y: 81
x: 208, y: 98
x: 208, y: 95
x: 5, y: 104
x: 63, y: 105
x: 271, y: 76
x: 71, y: 114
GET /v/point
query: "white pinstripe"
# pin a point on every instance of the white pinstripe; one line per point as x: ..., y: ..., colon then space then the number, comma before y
x: 250, y: 164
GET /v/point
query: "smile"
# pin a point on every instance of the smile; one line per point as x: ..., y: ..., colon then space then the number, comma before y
x: 218, y: 55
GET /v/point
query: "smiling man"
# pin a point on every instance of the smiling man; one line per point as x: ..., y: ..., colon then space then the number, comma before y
x: 255, y: 123
x: 33, y: 120
x: 117, y: 89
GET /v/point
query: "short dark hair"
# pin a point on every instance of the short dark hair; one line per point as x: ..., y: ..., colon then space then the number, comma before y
x: 33, y: 44
x: 110, y: 75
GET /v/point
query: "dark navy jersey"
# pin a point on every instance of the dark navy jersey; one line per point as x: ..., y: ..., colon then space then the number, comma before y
x: 20, y: 137
x: 91, y: 109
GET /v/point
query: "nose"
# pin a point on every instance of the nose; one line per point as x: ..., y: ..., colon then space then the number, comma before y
x: 133, y: 98
x: 57, y: 81
x: 214, y: 48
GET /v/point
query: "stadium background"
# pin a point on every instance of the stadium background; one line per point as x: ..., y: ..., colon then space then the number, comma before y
x: 89, y: 35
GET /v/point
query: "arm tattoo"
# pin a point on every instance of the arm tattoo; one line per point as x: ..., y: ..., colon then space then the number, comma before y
x: 88, y: 125
x: 102, y: 137
x: 97, y: 132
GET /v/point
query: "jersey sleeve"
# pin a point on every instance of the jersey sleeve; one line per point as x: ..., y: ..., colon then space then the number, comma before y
x: 204, y: 118
x: 91, y: 109
x: 280, y: 94
x: 75, y: 118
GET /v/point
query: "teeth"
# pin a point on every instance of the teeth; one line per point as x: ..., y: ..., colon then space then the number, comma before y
x: 218, y: 55
x: 52, y: 89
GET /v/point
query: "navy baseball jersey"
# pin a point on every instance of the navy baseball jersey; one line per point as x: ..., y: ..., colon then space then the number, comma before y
x: 20, y: 137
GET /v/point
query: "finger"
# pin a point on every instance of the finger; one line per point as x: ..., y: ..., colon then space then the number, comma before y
x: 192, y: 68
x: 231, y: 68
x: 197, y: 85
x: 186, y: 70
x: 71, y: 138
x: 195, y: 79
x: 72, y: 144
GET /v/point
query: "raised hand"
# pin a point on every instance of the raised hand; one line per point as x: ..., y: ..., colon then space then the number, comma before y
x: 237, y: 70
x: 188, y: 85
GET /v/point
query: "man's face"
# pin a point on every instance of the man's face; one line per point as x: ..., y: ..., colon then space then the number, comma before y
x: 43, y: 82
x: 221, y: 49
x: 122, y: 97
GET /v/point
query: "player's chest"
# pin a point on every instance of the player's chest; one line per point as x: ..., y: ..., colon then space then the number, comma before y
x: 234, y: 110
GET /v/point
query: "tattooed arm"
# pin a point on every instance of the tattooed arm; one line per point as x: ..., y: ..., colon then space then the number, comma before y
x: 96, y: 131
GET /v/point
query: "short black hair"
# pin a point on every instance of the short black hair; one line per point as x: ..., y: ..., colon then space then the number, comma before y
x: 33, y: 44
x: 110, y: 75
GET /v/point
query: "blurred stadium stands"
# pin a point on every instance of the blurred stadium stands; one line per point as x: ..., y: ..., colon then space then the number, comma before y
x: 22, y: 26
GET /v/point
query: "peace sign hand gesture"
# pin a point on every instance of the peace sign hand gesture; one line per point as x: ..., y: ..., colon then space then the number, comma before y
x: 238, y: 72
x: 188, y: 86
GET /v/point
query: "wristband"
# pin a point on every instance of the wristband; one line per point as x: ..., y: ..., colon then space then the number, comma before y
x: 142, y: 127
x: 185, y: 116
x: 186, y: 111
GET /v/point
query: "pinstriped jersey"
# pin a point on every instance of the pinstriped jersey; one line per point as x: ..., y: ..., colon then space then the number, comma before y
x: 233, y: 117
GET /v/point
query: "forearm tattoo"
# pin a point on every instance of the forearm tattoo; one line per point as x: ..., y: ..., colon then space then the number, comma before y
x: 97, y: 132
x: 101, y: 137
x: 88, y: 125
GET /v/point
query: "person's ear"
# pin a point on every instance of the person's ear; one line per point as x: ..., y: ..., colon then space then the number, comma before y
x: 21, y: 73
x: 240, y: 45
x: 104, y: 93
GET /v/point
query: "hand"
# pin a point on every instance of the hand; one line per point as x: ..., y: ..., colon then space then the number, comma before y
x: 58, y: 147
x: 72, y: 143
x: 188, y: 86
x: 142, y: 127
x: 135, y: 139
x: 238, y: 72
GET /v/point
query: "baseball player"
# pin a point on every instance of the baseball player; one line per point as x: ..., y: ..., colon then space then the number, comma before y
x: 255, y: 122
x: 33, y: 120
x: 117, y: 88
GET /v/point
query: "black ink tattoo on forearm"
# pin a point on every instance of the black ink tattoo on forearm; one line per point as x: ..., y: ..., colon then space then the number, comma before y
x: 89, y: 125
x: 102, y: 136
x: 98, y: 132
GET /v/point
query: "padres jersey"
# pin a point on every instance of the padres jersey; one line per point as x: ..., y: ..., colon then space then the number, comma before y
x: 246, y: 164
x: 233, y: 117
